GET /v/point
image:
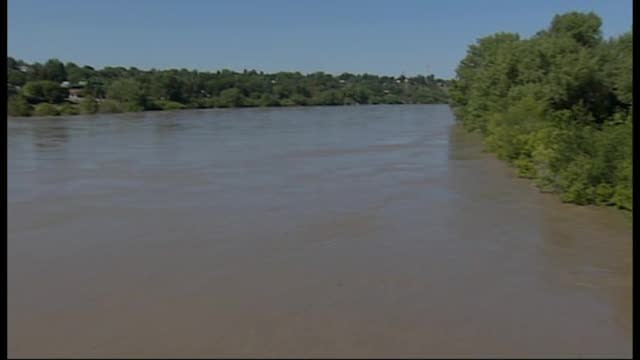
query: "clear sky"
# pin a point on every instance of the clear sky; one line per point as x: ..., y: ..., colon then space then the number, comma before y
x: 380, y: 37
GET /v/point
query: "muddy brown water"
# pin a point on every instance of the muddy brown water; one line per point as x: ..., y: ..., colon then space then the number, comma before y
x: 372, y: 231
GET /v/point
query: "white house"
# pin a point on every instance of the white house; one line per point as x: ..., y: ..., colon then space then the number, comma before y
x: 75, y: 95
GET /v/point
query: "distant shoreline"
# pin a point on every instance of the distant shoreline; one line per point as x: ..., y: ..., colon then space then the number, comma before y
x: 55, y: 88
x: 35, y: 117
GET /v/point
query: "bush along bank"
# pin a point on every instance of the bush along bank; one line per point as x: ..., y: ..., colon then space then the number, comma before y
x: 557, y: 106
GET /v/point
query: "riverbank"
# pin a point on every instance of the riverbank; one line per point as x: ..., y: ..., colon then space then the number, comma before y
x: 111, y: 107
x: 203, y: 109
x: 564, y: 121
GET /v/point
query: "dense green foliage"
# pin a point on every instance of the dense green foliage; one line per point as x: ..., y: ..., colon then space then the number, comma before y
x: 46, y: 109
x: 44, y: 91
x: 558, y: 106
x: 118, y: 89
x: 18, y: 106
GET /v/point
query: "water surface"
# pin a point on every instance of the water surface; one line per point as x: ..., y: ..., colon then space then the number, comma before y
x: 371, y: 231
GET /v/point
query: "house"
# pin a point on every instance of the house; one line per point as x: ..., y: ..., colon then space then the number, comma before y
x: 75, y: 95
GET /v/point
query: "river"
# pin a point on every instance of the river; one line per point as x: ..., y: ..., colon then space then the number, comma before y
x: 365, y: 231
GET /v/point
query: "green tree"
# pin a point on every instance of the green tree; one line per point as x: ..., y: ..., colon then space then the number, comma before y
x: 583, y: 28
x: 54, y: 70
x: 129, y: 93
x: 232, y: 97
x: 44, y: 91
x: 269, y: 100
x: 556, y: 106
x: 18, y: 106
x: 16, y: 77
x: 132, y: 89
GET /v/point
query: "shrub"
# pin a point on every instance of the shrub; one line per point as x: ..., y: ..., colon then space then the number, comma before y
x: 46, y: 109
x: 169, y: 105
x: 68, y: 109
x: 18, y: 106
x: 110, y: 106
x: 88, y: 105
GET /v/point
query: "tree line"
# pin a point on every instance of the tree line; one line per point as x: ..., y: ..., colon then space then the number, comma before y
x: 557, y: 106
x: 44, y: 88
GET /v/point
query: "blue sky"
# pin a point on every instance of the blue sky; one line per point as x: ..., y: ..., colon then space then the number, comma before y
x: 335, y: 36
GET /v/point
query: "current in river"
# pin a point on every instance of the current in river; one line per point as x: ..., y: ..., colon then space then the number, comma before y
x: 363, y: 231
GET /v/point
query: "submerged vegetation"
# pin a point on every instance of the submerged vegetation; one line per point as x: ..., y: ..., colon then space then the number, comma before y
x: 557, y: 106
x: 55, y: 88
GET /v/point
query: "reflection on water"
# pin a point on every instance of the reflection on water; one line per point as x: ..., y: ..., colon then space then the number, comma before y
x: 50, y: 137
x: 596, y: 257
x: 580, y: 256
x: 349, y: 231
